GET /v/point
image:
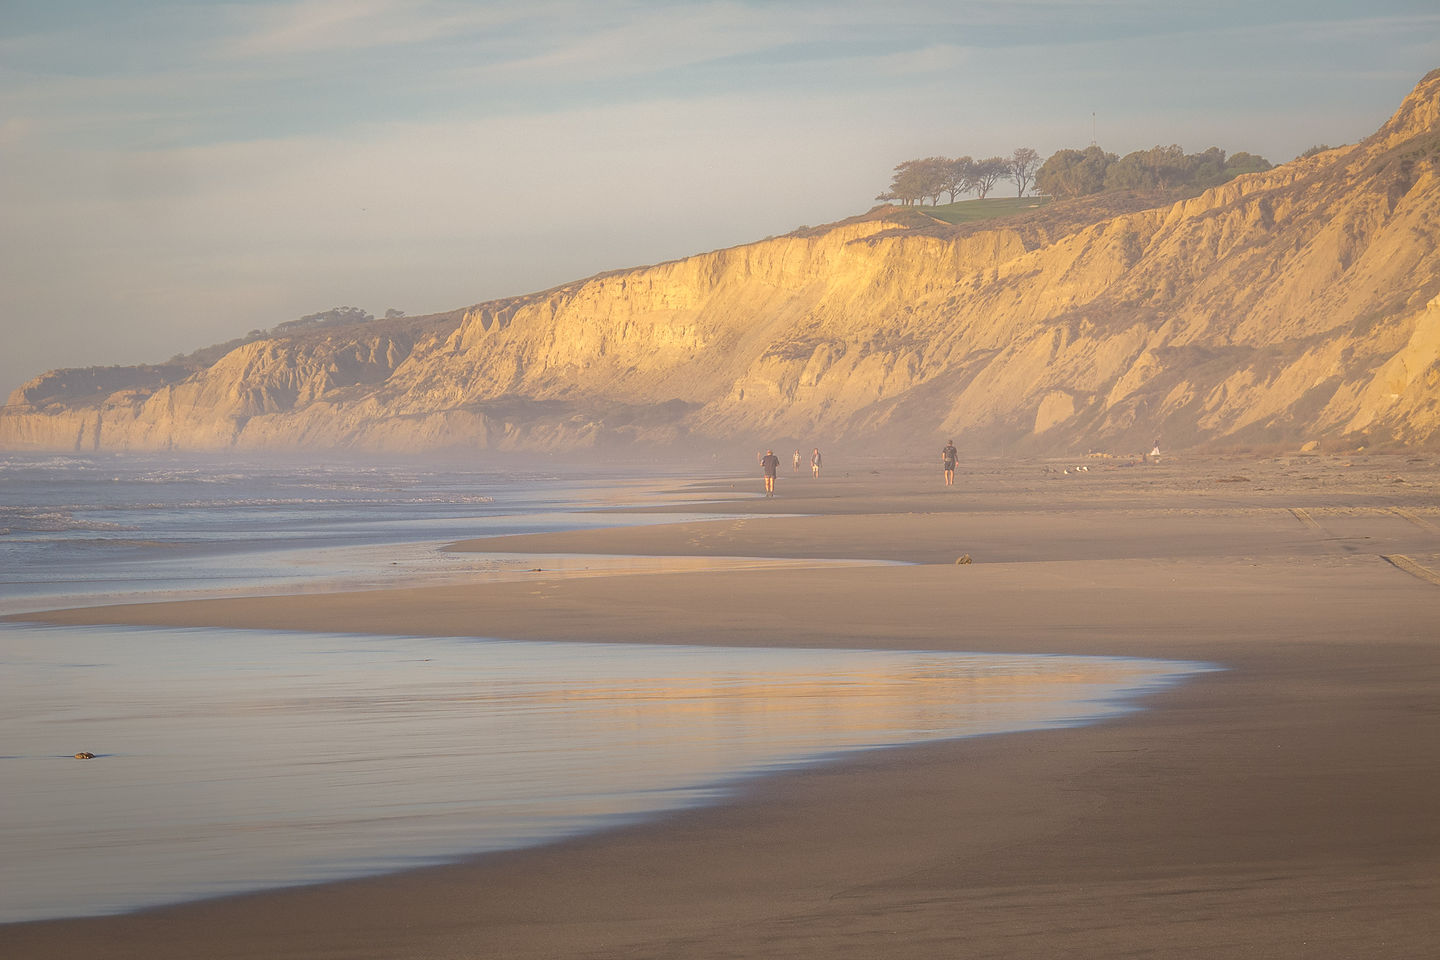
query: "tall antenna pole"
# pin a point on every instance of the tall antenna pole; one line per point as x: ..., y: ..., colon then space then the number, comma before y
x: 1092, y: 128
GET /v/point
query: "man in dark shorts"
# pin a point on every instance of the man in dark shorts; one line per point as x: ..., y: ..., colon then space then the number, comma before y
x: 769, y: 463
x: 948, y: 456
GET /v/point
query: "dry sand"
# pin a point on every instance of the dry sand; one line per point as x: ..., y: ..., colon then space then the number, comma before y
x: 1284, y: 807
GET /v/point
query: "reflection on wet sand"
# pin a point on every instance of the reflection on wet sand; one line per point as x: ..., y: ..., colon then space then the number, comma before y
x: 231, y: 760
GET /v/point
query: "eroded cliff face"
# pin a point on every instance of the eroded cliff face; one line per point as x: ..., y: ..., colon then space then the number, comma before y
x: 1282, y: 308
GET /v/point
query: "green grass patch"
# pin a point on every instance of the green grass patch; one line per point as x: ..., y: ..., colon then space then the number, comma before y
x: 968, y: 211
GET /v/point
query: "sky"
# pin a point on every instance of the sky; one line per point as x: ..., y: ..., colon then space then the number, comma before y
x: 174, y: 175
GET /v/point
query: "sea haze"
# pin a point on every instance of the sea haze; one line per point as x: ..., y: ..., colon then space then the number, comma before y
x: 79, y: 530
x: 228, y: 760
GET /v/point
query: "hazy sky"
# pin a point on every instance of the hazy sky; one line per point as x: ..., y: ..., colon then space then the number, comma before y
x: 175, y: 174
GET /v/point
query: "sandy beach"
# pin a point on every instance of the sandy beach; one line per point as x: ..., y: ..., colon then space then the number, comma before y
x: 1283, y: 806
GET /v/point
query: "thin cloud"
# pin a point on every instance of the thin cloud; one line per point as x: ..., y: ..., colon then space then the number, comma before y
x: 649, y: 43
x: 321, y: 26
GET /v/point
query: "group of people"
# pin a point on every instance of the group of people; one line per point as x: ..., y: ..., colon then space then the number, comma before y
x: 770, y: 465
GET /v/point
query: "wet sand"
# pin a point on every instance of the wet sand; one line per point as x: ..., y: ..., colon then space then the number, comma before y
x: 1283, y: 807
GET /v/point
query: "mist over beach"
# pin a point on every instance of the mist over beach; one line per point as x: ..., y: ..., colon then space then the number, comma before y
x: 714, y: 480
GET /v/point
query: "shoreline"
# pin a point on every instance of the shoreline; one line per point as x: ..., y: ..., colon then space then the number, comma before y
x: 1281, y: 804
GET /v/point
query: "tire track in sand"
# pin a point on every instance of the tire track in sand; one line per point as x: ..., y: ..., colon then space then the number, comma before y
x: 1397, y: 560
x: 1415, y: 518
x: 1402, y: 562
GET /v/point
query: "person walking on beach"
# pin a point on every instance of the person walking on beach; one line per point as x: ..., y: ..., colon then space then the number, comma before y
x: 797, y: 461
x: 815, y: 463
x: 948, y: 456
x: 769, y: 464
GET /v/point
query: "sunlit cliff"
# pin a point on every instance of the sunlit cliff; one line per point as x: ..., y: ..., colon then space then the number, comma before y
x: 1292, y: 307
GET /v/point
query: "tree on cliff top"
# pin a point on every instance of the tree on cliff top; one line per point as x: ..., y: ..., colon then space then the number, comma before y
x: 326, y: 318
x: 1080, y: 173
x: 1021, y: 167
x: 986, y: 173
x: 958, y: 175
x: 917, y: 180
x: 1074, y: 173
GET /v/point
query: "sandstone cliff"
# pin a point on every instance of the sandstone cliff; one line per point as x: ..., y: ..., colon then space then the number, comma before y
x: 1292, y: 306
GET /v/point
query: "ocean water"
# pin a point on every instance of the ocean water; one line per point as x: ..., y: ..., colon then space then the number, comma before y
x: 229, y: 760
x: 77, y: 530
